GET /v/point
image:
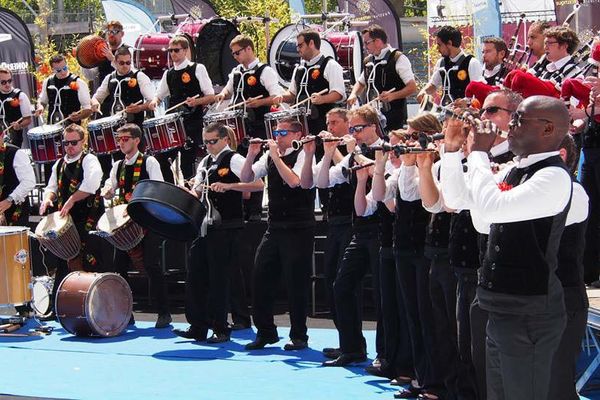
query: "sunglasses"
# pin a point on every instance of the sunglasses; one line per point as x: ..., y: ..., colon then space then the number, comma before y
x: 211, y: 141
x: 368, y: 42
x: 357, y: 128
x: 114, y: 31
x: 494, y: 110
x: 175, y: 50
x: 124, y: 63
x: 59, y: 70
x: 281, y: 132
x: 6, y: 82
x: 123, y: 139
x: 71, y: 142
x: 237, y: 52
x: 299, y: 45
x: 517, y: 119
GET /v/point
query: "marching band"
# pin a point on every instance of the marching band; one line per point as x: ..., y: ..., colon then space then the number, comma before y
x: 467, y: 218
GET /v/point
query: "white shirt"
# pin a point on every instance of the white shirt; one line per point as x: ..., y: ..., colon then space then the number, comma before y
x: 336, y: 175
x: 392, y: 173
x: 235, y: 165
x: 491, y: 72
x: 24, y: 105
x: 83, y: 94
x: 92, y: 174
x: 403, y: 66
x: 545, y: 194
x: 333, y: 73
x: 152, y: 168
x: 201, y: 74
x: 260, y: 167
x: 268, y: 78
x: 475, y: 70
x: 408, y: 184
x: 146, y: 87
x: 557, y: 65
x: 25, y: 175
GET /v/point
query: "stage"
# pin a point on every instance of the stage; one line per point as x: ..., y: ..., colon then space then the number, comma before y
x: 147, y: 363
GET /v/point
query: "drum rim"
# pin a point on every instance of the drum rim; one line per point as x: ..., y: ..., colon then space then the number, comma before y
x: 68, y: 223
x: 171, y: 117
x: 48, y: 281
x: 105, y: 120
x: 5, y: 230
x: 292, y: 112
x: 93, y: 325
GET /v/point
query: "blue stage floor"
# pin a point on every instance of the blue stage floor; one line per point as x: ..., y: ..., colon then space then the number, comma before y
x: 146, y: 363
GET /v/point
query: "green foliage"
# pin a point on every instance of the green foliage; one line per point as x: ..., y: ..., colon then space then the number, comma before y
x: 235, y: 8
x: 316, y: 6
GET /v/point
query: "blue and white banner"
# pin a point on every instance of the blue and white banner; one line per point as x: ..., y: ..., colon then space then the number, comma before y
x: 297, y: 7
x: 486, y: 21
x: 136, y: 19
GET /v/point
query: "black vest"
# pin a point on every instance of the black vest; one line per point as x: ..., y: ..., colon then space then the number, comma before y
x: 438, y: 230
x: 229, y: 203
x: 410, y: 223
x: 315, y: 82
x: 463, y: 251
x: 105, y: 68
x: 289, y: 207
x: 340, y: 201
x: 68, y: 99
x: 182, y: 84
x: 591, y: 134
x: 495, y: 79
x: 127, y: 187
x: 570, y: 266
x: 9, y: 183
x: 128, y: 95
x: 521, y: 256
x: 458, y: 79
x: 251, y: 87
x: 386, y: 78
x: 11, y: 114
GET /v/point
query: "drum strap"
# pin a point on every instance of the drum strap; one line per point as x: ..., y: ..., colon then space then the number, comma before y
x: 73, y: 181
x: 137, y: 172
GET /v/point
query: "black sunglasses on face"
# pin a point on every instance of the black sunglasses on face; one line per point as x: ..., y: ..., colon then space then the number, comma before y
x: 71, y: 142
x: 175, y: 50
x: 211, y: 141
x: 237, y: 52
x: 494, y: 110
x: 121, y: 63
x: 6, y: 82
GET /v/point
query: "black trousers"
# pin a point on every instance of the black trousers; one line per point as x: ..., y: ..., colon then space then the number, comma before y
x: 395, y: 320
x: 238, y: 296
x: 288, y: 251
x: 442, y: 289
x: 466, y: 287
x: 479, y: 320
x: 361, y: 256
x: 207, y: 284
x: 519, y: 353
x: 151, y: 245
x: 193, y: 130
x: 562, y: 381
x: 590, y: 180
x: 338, y: 238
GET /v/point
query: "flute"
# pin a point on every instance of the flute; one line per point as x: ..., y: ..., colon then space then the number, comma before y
x: 297, y: 144
x: 347, y: 171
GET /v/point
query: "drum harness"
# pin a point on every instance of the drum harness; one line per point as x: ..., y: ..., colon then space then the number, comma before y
x: 213, y: 217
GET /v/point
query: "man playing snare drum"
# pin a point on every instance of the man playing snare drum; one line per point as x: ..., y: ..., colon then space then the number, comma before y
x: 74, y: 189
x: 124, y: 175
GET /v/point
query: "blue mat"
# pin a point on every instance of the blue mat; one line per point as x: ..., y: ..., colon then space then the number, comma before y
x: 148, y: 363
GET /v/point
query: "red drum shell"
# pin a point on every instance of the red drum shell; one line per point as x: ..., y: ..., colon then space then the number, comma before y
x: 46, y: 143
x: 164, y: 133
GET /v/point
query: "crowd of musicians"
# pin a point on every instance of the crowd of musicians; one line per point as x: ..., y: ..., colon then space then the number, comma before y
x: 480, y: 247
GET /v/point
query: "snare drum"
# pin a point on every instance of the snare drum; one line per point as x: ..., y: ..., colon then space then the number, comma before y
x: 234, y: 119
x: 164, y: 133
x: 46, y: 143
x: 120, y: 230
x: 102, y: 133
x: 15, y: 266
x: 91, y: 304
x: 59, y: 235
x: 42, y: 294
x: 272, y: 118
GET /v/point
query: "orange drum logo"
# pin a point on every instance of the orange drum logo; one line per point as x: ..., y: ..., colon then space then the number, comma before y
x: 73, y: 85
x: 251, y: 80
x: 132, y: 83
x: 315, y: 74
x: 15, y: 102
x: 462, y: 75
x: 186, y: 78
x: 222, y: 172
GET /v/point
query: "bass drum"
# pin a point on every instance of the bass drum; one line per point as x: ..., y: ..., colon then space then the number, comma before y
x: 283, y: 54
x: 209, y: 45
x: 349, y: 49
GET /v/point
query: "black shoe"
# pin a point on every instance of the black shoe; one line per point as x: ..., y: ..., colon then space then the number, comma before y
x: 331, y: 352
x: 191, y: 333
x: 295, y: 344
x: 410, y: 393
x: 238, y: 326
x: 346, y: 359
x: 218, y: 338
x: 163, y: 321
x: 401, y: 381
x: 260, y: 342
x: 380, y: 371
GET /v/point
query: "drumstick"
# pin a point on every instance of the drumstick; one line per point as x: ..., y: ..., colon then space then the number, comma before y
x: 308, y: 98
x: 180, y: 104
x: 17, y: 121
x: 64, y: 119
x: 377, y: 98
x: 134, y: 104
x: 243, y: 102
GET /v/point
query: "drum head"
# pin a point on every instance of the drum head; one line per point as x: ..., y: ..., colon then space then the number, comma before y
x: 11, y: 230
x: 113, y: 219
x: 44, y: 131
x: 53, y: 223
x: 106, y: 121
x: 212, y: 49
x: 283, y: 54
x: 42, y: 291
x: 109, y: 305
x: 166, y: 209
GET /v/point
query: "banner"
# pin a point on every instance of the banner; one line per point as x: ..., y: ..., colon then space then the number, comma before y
x: 587, y: 17
x: 198, y: 8
x: 379, y: 12
x: 136, y: 19
x: 297, y: 7
x: 486, y: 21
x: 16, y: 51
